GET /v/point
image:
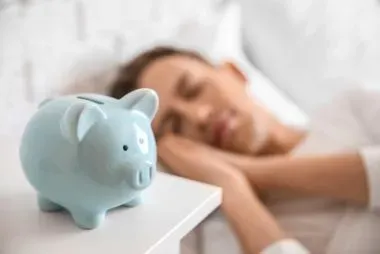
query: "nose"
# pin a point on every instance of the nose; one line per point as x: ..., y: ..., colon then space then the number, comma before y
x: 198, y: 114
x: 144, y: 176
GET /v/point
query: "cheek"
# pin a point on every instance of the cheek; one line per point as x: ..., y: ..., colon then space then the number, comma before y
x: 215, y: 97
x: 245, y: 137
x: 229, y: 94
x: 256, y: 133
x: 246, y: 128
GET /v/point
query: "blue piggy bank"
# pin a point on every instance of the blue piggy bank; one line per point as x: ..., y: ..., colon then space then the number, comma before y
x: 89, y: 153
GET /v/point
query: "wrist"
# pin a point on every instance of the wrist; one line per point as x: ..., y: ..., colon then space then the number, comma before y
x: 259, y: 172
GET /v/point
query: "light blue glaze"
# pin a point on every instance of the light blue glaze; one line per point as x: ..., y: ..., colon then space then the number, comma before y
x: 89, y: 153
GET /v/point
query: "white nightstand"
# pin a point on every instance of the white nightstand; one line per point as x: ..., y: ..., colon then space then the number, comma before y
x: 173, y: 206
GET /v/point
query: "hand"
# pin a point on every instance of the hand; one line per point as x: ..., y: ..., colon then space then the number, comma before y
x: 196, y: 161
x: 234, y: 159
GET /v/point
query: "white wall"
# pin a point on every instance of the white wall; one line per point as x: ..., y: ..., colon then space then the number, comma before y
x: 36, y: 34
x: 40, y: 38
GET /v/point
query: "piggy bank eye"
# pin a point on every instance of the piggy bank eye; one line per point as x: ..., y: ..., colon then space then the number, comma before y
x: 141, y: 141
x: 125, y: 147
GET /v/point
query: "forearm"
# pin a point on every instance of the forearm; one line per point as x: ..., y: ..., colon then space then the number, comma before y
x: 338, y: 176
x: 253, y: 224
x: 254, y: 227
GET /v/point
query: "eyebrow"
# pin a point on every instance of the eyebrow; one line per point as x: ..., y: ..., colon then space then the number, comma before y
x: 182, y: 82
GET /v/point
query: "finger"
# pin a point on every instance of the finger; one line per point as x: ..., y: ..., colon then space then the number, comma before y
x: 170, y: 151
x: 167, y: 145
x: 174, y: 143
x: 170, y: 140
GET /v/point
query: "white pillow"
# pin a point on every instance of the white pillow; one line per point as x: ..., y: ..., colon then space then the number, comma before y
x: 314, y: 49
x: 227, y: 46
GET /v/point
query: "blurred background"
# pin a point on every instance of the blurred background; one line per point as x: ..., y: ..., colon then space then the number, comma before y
x: 48, y: 45
x: 302, y: 51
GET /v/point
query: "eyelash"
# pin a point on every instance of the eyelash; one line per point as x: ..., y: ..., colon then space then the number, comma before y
x: 193, y: 90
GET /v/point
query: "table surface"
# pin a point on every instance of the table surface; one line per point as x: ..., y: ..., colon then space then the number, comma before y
x: 172, y: 207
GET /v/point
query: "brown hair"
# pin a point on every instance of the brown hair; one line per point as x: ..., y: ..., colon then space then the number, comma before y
x: 128, y: 76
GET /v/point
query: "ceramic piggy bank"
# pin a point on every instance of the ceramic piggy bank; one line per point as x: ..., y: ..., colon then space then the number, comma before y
x: 89, y: 153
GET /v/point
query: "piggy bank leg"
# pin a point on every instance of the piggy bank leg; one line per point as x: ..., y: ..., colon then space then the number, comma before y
x: 134, y: 202
x: 86, y: 219
x: 48, y: 206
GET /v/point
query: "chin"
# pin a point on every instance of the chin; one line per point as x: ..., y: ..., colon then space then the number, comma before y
x: 256, y: 150
x: 250, y: 139
x: 258, y: 143
x: 261, y: 138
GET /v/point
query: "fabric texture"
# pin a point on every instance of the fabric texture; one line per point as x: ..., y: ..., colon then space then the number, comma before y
x: 286, y: 246
x: 371, y: 157
x: 313, y: 49
x: 328, y: 226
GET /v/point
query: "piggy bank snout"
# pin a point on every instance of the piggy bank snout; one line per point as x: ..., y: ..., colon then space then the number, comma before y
x: 142, y: 175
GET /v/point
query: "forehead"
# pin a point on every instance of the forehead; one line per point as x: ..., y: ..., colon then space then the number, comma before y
x: 168, y: 69
x: 163, y: 74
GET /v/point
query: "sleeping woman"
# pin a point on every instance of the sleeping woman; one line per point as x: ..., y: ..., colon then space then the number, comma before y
x: 284, y: 190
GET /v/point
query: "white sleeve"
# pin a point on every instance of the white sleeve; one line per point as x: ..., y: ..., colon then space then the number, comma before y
x: 365, y: 105
x: 286, y: 246
x: 371, y: 159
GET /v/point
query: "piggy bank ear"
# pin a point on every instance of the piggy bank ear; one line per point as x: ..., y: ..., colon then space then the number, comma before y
x: 144, y: 100
x: 78, y: 119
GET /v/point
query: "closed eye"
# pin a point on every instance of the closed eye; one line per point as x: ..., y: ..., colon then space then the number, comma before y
x: 187, y: 88
x: 191, y: 91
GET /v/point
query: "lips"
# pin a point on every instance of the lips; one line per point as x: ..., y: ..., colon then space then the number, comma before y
x: 221, y: 128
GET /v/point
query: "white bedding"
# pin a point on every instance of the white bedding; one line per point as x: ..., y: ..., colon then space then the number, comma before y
x: 227, y: 46
x: 313, y: 49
